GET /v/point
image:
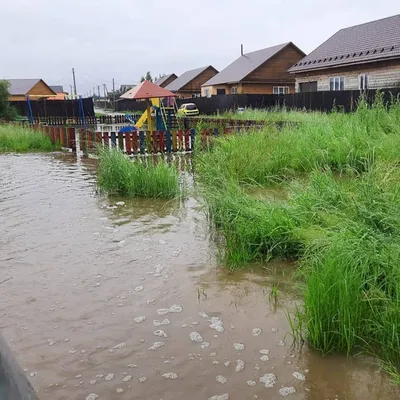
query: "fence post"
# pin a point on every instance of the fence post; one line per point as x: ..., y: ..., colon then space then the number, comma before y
x: 113, y: 139
x: 192, y: 138
x: 142, y: 144
x: 162, y: 141
x: 128, y: 143
x: 168, y: 141
x: 71, y: 139
x: 135, y: 142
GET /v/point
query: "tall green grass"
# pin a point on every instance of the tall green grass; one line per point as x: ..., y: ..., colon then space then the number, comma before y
x: 118, y: 174
x: 340, y: 220
x: 19, y: 140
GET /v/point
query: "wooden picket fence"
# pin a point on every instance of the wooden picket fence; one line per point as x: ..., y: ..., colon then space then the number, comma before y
x: 133, y: 143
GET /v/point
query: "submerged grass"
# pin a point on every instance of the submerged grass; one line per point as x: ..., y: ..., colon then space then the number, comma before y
x: 139, y: 178
x: 340, y: 220
x: 21, y: 140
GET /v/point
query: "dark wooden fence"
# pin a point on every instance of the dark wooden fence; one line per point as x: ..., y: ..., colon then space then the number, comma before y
x: 314, y: 101
x: 42, y: 109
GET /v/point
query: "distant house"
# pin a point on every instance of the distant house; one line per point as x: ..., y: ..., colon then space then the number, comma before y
x: 165, y: 80
x: 189, y: 83
x: 59, y: 91
x: 361, y: 57
x: 125, y: 88
x: 259, y: 72
x: 34, y: 88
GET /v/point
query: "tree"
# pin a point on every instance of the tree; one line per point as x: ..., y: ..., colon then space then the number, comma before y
x: 7, y: 111
x: 148, y: 77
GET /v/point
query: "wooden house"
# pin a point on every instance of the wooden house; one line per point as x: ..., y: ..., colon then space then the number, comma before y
x: 60, y: 94
x: 34, y: 88
x: 165, y: 80
x: 361, y: 57
x: 259, y: 72
x: 189, y: 83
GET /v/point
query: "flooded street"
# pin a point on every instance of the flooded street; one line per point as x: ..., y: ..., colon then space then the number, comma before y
x: 124, y: 299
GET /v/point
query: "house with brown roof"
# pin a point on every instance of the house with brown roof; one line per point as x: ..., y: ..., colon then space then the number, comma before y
x: 189, y: 83
x: 259, y: 72
x: 165, y: 80
x: 34, y: 88
x: 361, y: 57
x: 59, y: 91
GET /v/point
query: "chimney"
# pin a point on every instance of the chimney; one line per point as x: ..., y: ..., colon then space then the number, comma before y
x: 241, y: 49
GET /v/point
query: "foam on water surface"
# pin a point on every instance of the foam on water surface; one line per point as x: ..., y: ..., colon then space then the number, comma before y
x: 286, y: 391
x: 269, y: 380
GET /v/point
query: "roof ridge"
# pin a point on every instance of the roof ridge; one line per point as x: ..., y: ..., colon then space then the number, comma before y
x: 265, y: 48
x: 368, y: 22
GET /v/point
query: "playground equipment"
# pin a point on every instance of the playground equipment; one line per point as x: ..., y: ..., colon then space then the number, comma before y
x: 161, y: 107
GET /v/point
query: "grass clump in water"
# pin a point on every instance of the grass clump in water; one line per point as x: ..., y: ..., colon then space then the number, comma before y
x: 340, y: 220
x: 16, y: 139
x: 139, y: 178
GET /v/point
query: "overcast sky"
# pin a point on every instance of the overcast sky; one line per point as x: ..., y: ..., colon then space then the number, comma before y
x: 123, y: 39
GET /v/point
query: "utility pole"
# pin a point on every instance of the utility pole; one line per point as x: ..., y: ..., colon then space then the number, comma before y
x: 98, y: 90
x: 73, y: 76
x: 105, y: 95
x: 113, y: 93
x: 71, y: 92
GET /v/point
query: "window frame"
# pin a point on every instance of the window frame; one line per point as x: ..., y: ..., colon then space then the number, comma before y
x: 365, y: 81
x: 234, y: 90
x: 281, y: 90
x: 338, y: 83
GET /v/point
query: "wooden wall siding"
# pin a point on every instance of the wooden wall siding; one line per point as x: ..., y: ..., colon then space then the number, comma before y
x: 213, y: 89
x: 41, y: 89
x: 275, y: 69
x: 380, y: 76
x: 168, y: 81
x: 264, y: 88
x: 194, y: 86
x: 17, y: 98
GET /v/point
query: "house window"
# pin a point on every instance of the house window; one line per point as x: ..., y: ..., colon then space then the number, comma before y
x: 336, y: 83
x: 281, y: 90
x: 221, y: 91
x: 233, y: 90
x: 363, y: 82
x: 207, y: 92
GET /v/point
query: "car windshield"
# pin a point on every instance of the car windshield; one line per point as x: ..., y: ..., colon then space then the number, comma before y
x: 191, y: 107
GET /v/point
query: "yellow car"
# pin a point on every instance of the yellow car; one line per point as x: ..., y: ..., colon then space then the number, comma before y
x: 188, y: 110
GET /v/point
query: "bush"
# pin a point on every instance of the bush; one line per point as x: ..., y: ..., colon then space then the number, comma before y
x: 7, y: 112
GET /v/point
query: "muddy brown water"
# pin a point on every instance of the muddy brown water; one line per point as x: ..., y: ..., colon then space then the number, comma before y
x: 78, y: 272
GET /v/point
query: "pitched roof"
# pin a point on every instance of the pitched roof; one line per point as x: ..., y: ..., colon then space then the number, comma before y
x: 185, y: 78
x: 363, y: 43
x: 21, y: 86
x: 57, y: 89
x: 160, y: 81
x: 244, y: 65
x: 146, y: 90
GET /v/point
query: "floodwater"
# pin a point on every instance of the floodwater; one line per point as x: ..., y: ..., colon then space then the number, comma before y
x: 126, y: 301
